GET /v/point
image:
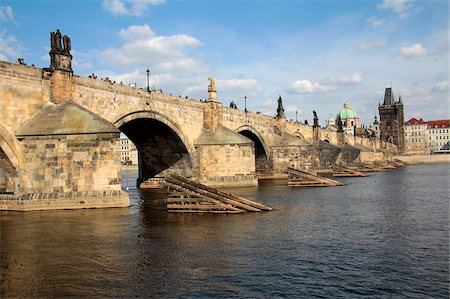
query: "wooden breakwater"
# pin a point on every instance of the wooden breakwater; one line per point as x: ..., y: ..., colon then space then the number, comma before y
x: 303, y: 178
x: 188, y: 196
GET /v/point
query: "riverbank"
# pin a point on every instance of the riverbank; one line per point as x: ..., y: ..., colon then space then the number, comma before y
x: 424, y: 159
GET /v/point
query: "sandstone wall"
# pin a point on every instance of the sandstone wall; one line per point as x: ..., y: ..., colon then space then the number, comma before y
x: 227, y: 165
x: 66, y: 163
x: 22, y: 93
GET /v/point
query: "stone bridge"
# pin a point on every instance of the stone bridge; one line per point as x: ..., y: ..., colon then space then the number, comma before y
x: 59, y: 137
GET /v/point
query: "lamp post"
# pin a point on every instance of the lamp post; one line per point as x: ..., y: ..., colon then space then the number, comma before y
x: 245, y: 103
x: 148, y: 74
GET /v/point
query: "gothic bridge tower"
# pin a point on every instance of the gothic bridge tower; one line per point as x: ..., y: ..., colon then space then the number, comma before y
x: 392, y: 120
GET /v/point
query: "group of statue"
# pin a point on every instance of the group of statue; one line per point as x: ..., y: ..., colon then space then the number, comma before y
x: 55, y: 41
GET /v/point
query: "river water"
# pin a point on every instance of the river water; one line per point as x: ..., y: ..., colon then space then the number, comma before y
x: 383, y: 236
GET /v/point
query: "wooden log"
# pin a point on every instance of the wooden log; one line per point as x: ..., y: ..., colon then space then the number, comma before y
x: 199, y: 211
x: 342, y: 171
x: 202, y: 196
x: 185, y: 200
x: 305, y: 174
x: 195, y: 207
x: 173, y: 180
x: 223, y: 194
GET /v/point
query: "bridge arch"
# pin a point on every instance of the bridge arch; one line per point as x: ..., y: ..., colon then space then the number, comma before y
x: 10, y: 160
x: 162, y: 146
x: 299, y: 135
x: 262, y: 153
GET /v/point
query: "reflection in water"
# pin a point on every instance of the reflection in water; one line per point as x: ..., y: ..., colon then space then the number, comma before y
x: 382, y: 236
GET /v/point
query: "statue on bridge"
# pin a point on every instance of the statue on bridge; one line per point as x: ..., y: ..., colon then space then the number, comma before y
x: 212, y: 85
x: 339, y: 124
x: 315, y: 120
x: 57, y: 46
x: 60, y: 57
x: 212, y: 97
x: 280, y: 109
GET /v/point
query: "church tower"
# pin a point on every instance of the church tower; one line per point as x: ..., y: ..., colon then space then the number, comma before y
x: 392, y: 120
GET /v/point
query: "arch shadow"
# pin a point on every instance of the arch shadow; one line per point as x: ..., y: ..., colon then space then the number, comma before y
x: 262, y: 153
x: 160, y: 141
x: 10, y: 161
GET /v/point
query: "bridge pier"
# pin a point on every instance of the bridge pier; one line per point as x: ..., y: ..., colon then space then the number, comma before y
x: 71, y: 160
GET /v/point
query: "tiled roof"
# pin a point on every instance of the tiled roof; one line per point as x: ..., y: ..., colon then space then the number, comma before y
x: 443, y: 123
x: 414, y: 121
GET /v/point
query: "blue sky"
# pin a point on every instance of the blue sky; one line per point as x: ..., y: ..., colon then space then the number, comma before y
x: 315, y: 54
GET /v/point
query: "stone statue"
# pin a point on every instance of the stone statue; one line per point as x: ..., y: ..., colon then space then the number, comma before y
x: 280, y: 109
x: 316, y: 119
x: 52, y: 41
x: 339, y: 124
x: 60, y: 57
x: 212, y: 85
x: 67, y: 45
x: 58, y: 45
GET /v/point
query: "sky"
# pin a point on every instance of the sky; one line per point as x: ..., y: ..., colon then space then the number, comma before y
x: 314, y: 54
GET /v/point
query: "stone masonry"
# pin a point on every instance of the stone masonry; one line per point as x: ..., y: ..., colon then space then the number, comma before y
x: 78, y: 151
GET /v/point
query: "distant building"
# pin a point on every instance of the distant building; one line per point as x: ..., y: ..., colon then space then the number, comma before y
x: 392, y: 120
x: 331, y: 123
x: 376, y: 127
x: 416, y: 136
x: 349, y: 118
x: 438, y: 136
x: 128, y: 151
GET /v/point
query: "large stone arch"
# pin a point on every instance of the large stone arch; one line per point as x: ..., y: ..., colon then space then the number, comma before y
x: 299, y: 135
x: 162, y: 121
x: 262, y: 166
x: 10, y: 161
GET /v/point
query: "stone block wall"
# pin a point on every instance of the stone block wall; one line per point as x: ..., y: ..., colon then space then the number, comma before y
x: 294, y: 156
x: 65, y: 163
x: 370, y: 157
x: 23, y: 92
x: 349, y: 155
x: 61, y: 86
x: 212, y: 115
x: 227, y: 165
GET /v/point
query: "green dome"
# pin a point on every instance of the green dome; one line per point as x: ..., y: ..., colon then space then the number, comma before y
x: 347, y: 112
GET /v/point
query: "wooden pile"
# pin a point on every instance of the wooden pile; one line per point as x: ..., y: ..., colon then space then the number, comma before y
x: 365, y: 167
x: 398, y: 163
x: 342, y: 171
x: 302, y: 178
x: 188, y: 196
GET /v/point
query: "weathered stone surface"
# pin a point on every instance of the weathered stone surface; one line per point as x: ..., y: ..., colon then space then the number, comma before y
x: 65, y: 118
x: 90, y: 157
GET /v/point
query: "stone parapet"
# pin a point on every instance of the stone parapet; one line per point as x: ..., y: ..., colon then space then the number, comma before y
x: 64, y: 200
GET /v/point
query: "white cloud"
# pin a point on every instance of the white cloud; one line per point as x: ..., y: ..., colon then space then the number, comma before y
x: 142, y: 48
x: 247, y: 86
x: 129, y: 7
x: 134, y: 33
x: 413, y: 50
x: 376, y: 43
x: 9, y: 46
x: 375, y: 21
x: 345, y: 80
x: 441, y: 86
x: 6, y: 14
x: 306, y: 86
x: 403, y: 8
x: 268, y: 103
